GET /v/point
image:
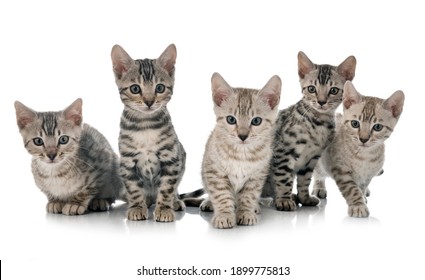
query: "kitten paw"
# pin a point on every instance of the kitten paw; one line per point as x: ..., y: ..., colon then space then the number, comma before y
x: 137, y: 213
x: 206, y: 206
x: 164, y: 214
x: 224, y: 220
x: 99, y: 205
x: 179, y: 205
x: 309, y: 201
x: 285, y: 204
x: 54, y: 207
x: 246, y: 218
x: 74, y: 209
x: 320, y: 193
x: 358, y: 211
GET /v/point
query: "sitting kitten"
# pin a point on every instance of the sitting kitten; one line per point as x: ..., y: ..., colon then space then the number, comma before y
x: 72, y: 163
x: 357, y: 153
x: 152, y: 157
x: 304, y: 130
x: 237, y: 155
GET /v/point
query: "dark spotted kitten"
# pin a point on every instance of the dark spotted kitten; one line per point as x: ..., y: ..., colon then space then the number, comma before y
x: 357, y: 153
x: 72, y: 163
x: 305, y: 129
x: 238, y: 152
x: 152, y: 158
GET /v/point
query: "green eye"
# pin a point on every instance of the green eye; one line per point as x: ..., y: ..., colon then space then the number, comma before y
x: 256, y: 121
x: 334, y: 91
x: 378, y: 127
x: 160, y: 88
x: 135, y: 89
x: 231, y: 120
x: 355, y: 124
x: 63, y: 139
x: 311, y: 89
x: 38, y: 141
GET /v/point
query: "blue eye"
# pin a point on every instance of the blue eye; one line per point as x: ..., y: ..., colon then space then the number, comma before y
x: 378, y: 127
x: 38, y: 141
x: 160, y: 88
x: 135, y: 89
x: 311, y: 89
x: 231, y: 120
x: 355, y: 124
x: 63, y: 139
x: 256, y: 121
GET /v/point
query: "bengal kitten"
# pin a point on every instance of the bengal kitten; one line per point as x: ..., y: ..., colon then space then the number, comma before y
x: 238, y: 152
x: 357, y: 153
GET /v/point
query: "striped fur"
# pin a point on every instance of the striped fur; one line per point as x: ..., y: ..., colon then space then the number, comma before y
x: 72, y: 163
x: 304, y: 130
x: 357, y: 153
x: 238, y: 151
x: 152, y: 158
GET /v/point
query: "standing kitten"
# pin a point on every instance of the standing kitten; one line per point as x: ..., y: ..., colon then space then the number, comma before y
x: 238, y: 152
x: 72, y: 163
x: 357, y: 153
x: 305, y: 129
x: 152, y: 158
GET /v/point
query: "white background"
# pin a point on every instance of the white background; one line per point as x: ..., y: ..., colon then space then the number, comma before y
x: 52, y: 52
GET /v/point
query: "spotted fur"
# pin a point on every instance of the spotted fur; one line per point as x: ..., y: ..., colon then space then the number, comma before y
x: 304, y: 130
x: 357, y: 153
x: 238, y: 152
x: 72, y: 163
x: 152, y: 157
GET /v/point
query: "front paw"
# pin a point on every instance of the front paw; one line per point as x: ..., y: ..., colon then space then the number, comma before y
x: 246, y: 218
x: 54, y: 207
x: 320, y: 193
x: 72, y: 209
x: 137, y: 213
x: 179, y: 205
x: 206, y: 206
x: 99, y: 205
x: 224, y: 220
x: 309, y: 201
x: 358, y: 211
x: 285, y: 204
x: 164, y: 214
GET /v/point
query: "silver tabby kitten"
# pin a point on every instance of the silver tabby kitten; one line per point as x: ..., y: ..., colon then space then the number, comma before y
x: 357, y: 153
x: 72, y: 163
x: 152, y: 158
x: 305, y: 129
x: 237, y: 155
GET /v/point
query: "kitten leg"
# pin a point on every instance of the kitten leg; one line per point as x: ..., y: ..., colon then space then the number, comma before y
x: 283, y: 177
x: 222, y: 197
x: 303, y: 183
x: 248, y: 206
x: 78, y: 205
x: 352, y: 193
x: 319, y: 188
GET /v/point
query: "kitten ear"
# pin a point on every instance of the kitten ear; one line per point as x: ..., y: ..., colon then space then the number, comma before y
x: 24, y: 115
x: 304, y: 65
x: 121, y: 61
x: 74, y: 112
x: 271, y: 91
x: 395, y: 103
x: 221, y: 90
x: 167, y: 59
x: 350, y: 96
x: 347, y: 68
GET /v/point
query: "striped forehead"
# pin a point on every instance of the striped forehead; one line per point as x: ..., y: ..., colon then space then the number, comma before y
x: 146, y: 69
x: 324, y: 73
x: 245, y: 102
x: 49, y: 123
x: 368, y: 112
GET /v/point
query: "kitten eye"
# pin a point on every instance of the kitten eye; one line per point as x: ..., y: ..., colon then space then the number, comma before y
x: 135, y: 89
x: 355, y: 124
x: 160, y: 88
x: 311, y: 89
x: 38, y: 141
x: 63, y: 139
x: 256, y: 121
x: 231, y: 120
x: 378, y: 127
x: 334, y: 91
